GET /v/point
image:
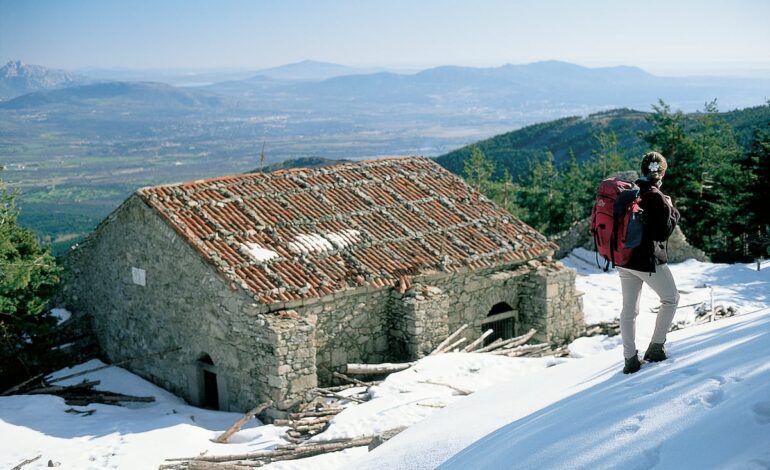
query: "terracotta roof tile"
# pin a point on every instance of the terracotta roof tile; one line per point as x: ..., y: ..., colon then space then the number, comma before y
x: 304, y: 233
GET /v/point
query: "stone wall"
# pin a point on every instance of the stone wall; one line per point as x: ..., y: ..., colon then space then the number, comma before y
x: 417, y: 321
x: 185, y: 308
x: 351, y: 327
x: 541, y: 294
x: 549, y: 303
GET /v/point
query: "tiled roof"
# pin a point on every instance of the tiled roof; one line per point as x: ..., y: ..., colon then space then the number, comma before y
x: 303, y: 233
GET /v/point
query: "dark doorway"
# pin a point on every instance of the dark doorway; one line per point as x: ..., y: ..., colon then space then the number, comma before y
x: 210, y: 391
x: 501, y: 319
x: 209, y: 397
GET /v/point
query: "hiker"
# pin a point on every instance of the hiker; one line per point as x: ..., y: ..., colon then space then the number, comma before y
x: 648, y: 265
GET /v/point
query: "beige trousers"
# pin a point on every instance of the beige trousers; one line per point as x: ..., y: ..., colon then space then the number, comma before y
x: 662, y: 282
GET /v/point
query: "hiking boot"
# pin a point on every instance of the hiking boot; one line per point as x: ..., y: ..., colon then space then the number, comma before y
x: 655, y: 353
x: 632, y: 364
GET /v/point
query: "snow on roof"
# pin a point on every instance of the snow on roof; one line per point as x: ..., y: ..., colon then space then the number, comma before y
x: 303, y: 233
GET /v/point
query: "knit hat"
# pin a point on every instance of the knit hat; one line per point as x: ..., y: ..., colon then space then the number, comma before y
x: 654, y: 166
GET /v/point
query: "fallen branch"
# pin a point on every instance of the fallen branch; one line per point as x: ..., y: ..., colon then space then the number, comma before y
x: 59, y: 389
x: 243, y: 420
x: 21, y: 385
x: 107, y: 398
x: 280, y: 453
x: 116, y: 364
x: 26, y: 462
x: 461, y: 391
x: 448, y: 340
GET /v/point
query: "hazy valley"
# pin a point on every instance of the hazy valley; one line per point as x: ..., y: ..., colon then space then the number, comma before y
x: 76, y: 146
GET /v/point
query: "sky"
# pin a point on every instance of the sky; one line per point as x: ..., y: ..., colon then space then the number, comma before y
x: 663, y: 36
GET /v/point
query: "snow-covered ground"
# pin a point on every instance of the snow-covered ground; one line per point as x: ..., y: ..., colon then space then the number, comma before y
x: 708, y: 406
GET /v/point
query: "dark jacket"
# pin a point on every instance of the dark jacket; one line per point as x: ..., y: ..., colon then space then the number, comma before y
x: 658, y: 221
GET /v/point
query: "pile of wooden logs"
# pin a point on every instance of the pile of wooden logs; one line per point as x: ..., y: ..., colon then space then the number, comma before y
x: 80, y: 394
x: 609, y: 328
x: 306, y: 424
x: 704, y: 314
x: 513, y: 347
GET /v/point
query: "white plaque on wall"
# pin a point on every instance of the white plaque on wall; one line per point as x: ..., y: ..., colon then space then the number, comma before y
x: 139, y: 276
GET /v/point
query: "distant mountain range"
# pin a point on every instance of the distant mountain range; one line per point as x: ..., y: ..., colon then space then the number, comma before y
x: 310, y: 70
x: 157, y: 96
x: 18, y: 78
x: 448, y: 90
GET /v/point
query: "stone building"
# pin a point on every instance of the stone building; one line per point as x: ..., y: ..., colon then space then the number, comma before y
x: 245, y: 288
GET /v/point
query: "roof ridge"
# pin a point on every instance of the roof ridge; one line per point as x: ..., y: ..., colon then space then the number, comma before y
x: 285, y: 171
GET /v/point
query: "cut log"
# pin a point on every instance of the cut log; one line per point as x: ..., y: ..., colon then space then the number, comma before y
x: 243, y: 420
x: 339, y: 388
x: 375, y: 369
x: 312, y: 421
x: 520, y: 340
x: 480, y: 340
x: 314, y: 414
x: 491, y: 346
x: 512, y: 342
x: 356, y: 381
x: 211, y: 466
x: 527, y: 350
x: 321, y: 391
x: 448, y: 340
x: 295, y: 440
x: 453, y: 345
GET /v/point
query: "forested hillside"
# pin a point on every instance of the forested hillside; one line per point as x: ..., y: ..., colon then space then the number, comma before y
x: 514, y: 150
x: 719, y: 168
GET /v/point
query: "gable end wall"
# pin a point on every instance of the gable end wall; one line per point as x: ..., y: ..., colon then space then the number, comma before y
x: 185, y: 305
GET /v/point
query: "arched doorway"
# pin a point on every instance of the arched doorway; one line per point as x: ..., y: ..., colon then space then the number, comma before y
x: 209, y: 389
x: 501, y: 319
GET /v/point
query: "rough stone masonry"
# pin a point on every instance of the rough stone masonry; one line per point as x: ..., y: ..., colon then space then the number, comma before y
x: 236, y: 290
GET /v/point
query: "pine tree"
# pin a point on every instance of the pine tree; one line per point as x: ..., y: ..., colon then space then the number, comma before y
x: 540, y: 197
x: 28, y: 276
x: 757, y: 213
x: 478, y: 169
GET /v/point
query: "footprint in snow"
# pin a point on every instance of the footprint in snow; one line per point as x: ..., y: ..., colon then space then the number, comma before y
x: 632, y: 425
x: 689, y: 371
x: 649, y: 458
x: 709, y: 396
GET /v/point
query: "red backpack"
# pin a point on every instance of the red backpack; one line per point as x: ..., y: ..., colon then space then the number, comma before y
x: 616, y: 222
